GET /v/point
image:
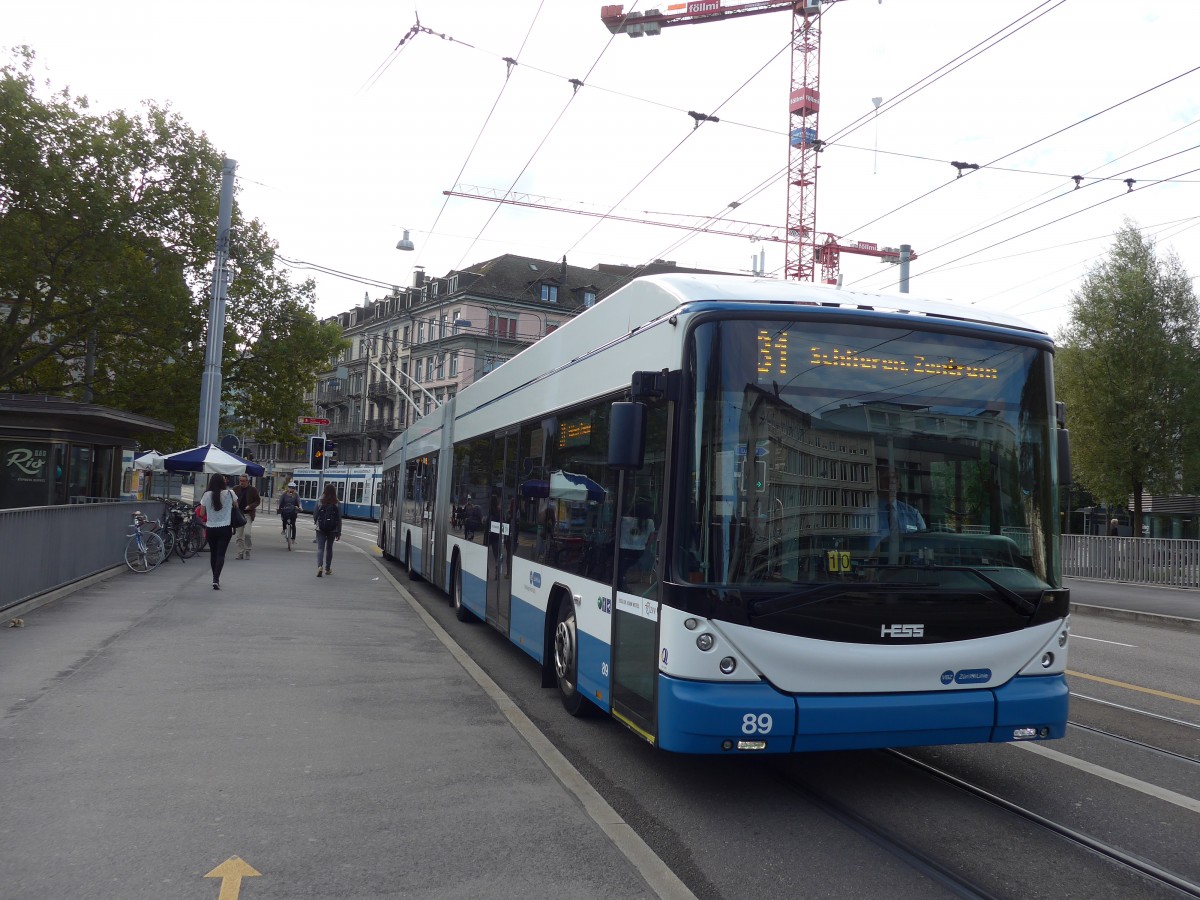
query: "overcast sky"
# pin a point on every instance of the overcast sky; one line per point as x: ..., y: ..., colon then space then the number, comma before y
x: 342, y: 143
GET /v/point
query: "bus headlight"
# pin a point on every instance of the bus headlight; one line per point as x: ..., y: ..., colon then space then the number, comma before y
x: 690, y: 624
x: 1047, y: 660
x: 1062, y: 637
x: 705, y: 641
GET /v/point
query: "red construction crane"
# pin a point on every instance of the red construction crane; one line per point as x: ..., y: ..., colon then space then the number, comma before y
x: 804, y: 102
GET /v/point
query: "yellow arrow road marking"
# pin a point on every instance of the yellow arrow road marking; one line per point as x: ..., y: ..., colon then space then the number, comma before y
x: 231, y: 872
x: 1134, y: 687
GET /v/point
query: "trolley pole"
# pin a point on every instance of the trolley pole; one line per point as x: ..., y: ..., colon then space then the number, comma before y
x: 214, y: 349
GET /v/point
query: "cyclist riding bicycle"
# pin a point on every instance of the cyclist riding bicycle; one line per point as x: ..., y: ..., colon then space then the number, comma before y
x: 289, y: 508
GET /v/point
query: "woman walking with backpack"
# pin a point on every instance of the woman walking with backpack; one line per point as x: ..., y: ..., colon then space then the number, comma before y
x: 329, y: 528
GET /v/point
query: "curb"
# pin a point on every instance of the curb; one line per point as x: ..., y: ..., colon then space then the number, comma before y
x: 1133, y: 615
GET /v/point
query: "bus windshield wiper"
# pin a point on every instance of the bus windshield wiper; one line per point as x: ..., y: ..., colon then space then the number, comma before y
x: 1007, y: 594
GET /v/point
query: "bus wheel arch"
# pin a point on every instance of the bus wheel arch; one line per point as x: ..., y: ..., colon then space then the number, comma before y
x: 563, y: 655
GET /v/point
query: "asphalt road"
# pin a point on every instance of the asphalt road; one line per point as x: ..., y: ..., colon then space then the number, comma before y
x: 734, y: 828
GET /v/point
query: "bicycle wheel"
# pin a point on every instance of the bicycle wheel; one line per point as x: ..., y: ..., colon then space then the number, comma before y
x: 143, y: 552
x: 184, y: 543
x: 156, y: 552
x: 167, y: 536
x: 199, y: 535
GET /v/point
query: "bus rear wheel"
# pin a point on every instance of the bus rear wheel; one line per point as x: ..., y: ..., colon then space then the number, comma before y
x: 566, y: 660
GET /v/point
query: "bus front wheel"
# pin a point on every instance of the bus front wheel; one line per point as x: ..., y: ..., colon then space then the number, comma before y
x: 456, y: 598
x: 566, y: 659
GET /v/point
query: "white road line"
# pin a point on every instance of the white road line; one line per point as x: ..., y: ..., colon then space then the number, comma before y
x: 1080, y: 637
x: 1150, y: 790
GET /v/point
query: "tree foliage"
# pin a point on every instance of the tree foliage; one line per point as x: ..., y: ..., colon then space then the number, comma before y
x: 1127, y: 370
x: 107, y: 228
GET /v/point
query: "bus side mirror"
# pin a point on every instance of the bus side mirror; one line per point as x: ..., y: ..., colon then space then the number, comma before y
x: 1064, y: 456
x: 627, y: 436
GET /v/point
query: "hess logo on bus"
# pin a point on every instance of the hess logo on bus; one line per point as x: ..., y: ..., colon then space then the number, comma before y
x: 902, y: 631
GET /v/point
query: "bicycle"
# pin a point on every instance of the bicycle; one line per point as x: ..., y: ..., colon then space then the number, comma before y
x: 179, y: 528
x: 289, y: 533
x: 144, y: 551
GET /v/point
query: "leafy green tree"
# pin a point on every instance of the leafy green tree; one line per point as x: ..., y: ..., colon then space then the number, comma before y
x: 1127, y: 370
x: 107, y: 224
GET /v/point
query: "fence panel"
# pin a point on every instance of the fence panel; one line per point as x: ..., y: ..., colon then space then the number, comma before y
x: 48, y: 547
x: 1137, y: 560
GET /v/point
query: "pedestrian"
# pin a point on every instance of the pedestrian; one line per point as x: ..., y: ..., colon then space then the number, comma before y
x: 1114, y: 529
x: 329, y: 528
x: 218, y: 503
x: 248, y: 500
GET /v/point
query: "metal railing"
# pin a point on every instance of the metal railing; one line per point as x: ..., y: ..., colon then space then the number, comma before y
x: 48, y: 547
x: 1162, y: 561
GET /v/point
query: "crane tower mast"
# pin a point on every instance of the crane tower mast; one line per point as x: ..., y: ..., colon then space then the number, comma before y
x: 804, y: 102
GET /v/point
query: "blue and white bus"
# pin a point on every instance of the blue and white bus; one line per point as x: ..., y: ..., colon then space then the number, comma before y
x: 357, y: 489
x: 744, y: 515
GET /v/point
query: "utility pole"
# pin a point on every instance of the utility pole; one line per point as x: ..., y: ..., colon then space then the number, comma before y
x: 214, y: 350
x: 905, y: 255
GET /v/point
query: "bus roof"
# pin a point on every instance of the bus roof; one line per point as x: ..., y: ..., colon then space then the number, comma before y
x: 658, y: 292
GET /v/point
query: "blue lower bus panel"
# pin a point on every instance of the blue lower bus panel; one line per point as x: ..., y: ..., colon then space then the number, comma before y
x: 702, y: 717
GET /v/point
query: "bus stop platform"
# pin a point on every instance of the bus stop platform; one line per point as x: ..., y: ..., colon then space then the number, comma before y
x: 284, y: 737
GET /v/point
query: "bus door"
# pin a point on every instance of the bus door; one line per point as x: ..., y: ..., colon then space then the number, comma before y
x: 501, y: 525
x: 428, y: 505
x: 638, y: 584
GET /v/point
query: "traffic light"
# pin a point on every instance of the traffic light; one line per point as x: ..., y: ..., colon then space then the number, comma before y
x: 316, y: 453
x: 330, y: 453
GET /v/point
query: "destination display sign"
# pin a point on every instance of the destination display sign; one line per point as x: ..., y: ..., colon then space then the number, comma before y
x: 773, y: 361
x: 310, y: 420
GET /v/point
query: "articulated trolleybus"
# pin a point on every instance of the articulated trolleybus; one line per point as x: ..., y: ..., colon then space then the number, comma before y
x: 743, y: 515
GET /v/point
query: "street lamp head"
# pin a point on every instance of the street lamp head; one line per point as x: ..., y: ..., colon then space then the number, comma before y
x: 404, y: 243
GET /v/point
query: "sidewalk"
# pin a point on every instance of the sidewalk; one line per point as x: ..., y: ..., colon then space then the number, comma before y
x: 321, y: 730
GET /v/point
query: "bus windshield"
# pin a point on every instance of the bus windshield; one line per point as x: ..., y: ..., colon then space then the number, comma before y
x: 849, y: 455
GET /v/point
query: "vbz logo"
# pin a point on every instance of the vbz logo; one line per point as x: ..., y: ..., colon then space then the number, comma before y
x: 535, y: 579
x: 902, y: 631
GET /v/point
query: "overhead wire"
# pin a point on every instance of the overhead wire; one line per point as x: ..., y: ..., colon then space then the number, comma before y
x: 542, y: 143
x: 1040, y: 140
x: 486, y: 121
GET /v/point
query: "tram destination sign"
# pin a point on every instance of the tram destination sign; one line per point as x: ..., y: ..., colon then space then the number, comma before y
x: 310, y: 420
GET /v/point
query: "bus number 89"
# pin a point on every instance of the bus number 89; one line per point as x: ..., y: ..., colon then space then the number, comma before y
x: 757, y: 724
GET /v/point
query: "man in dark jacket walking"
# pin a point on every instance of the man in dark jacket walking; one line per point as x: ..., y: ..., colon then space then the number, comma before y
x: 248, y: 501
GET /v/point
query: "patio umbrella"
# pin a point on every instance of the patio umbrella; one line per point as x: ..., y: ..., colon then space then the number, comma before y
x: 209, y: 459
x: 150, y: 461
x: 568, y: 486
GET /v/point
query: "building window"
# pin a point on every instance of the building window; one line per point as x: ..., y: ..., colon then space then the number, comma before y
x: 453, y: 363
x: 550, y: 293
x: 589, y: 299
x: 441, y: 366
x: 442, y: 326
x: 502, y: 326
x: 429, y: 368
x: 407, y: 332
x: 453, y: 283
x: 421, y: 331
x: 457, y: 320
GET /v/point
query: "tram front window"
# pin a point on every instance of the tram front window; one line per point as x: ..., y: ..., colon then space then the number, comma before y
x: 853, y: 456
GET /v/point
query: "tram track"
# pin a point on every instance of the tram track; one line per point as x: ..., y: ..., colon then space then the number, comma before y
x: 937, y: 867
x: 1116, y: 855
